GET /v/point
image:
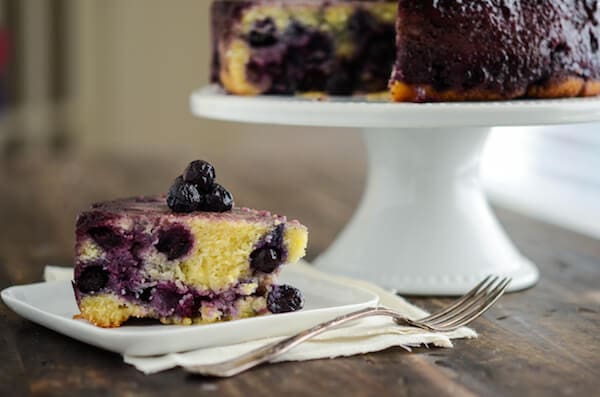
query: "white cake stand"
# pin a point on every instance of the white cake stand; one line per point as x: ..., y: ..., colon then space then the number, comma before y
x: 424, y: 226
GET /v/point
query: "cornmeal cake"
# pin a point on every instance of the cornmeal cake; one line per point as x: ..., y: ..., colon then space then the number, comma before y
x: 141, y: 258
x: 427, y: 50
x: 495, y: 50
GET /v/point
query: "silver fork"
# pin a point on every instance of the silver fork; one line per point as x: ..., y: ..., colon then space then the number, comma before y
x: 458, y: 314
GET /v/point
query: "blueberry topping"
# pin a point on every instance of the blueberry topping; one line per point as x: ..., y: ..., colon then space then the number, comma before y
x: 201, y: 173
x: 219, y: 200
x: 196, y: 190
x: 284, y: 298
x: 265, y: 259
x: 263, y: 33
x: 174, y: 242
x: 92, y: 279
x: 105, y: 237
x: 183, y: 196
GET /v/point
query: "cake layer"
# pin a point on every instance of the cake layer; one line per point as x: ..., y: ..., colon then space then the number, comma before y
x: 297, y: 46
x: 494, y: 50
x: 137, y: 258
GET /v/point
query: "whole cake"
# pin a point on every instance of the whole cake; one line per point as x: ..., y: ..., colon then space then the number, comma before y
x: 494, y: 50
x: 293, y: 46
x: 190, y: 257
x: 439, y: 50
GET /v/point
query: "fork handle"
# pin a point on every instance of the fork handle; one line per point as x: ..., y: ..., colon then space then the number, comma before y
x: 268, y: 352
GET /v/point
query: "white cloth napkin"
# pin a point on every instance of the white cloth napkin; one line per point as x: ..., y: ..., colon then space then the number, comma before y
x: 364, y: 336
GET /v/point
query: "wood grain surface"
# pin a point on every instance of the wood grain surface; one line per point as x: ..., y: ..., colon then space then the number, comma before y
x: 544, y: 341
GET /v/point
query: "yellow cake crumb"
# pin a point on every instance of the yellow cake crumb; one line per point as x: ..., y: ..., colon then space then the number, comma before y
x: 89, y: 251
x: 108, y: 311
x: 220, y: 256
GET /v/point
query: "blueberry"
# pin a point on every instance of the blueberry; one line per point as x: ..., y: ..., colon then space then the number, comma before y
x: 265, y: 259
x: 284, y: 298
x: 92, y: 279
x: 174, y: 242
x: 296, y: 34
x: 183, y: 197
x: 201, y: 173
x: 105, y: 237
x: 263, y: 33
x: 146, y: 294
x: 219, y: 200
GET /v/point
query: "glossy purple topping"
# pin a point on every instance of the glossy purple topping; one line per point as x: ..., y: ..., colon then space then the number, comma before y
x: 499, y: 46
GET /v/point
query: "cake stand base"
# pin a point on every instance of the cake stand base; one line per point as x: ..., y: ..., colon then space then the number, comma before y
x: 424, y: 225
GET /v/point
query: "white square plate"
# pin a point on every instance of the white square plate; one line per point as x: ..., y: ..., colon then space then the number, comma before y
x: 53, y: 305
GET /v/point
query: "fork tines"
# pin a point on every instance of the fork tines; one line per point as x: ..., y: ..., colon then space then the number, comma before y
x: 470, y: 306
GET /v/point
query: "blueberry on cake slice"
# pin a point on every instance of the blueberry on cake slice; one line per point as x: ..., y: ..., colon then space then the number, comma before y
x: 191, y: 257
x: 303, y: 46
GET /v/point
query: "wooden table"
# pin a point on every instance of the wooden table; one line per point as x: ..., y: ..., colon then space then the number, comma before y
x: 544, y: 341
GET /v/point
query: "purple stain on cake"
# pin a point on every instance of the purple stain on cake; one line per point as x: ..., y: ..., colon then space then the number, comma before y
x: 176, y: 299
x: 175, y: 242
x: 106, y: 237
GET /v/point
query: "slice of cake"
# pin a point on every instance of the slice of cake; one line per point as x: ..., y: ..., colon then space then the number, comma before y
x: 495, y: 50
x: 187, y: 258
x: 299, y: 46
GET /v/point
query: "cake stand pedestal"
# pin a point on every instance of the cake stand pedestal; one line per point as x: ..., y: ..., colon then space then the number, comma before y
x: 424, y: 226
